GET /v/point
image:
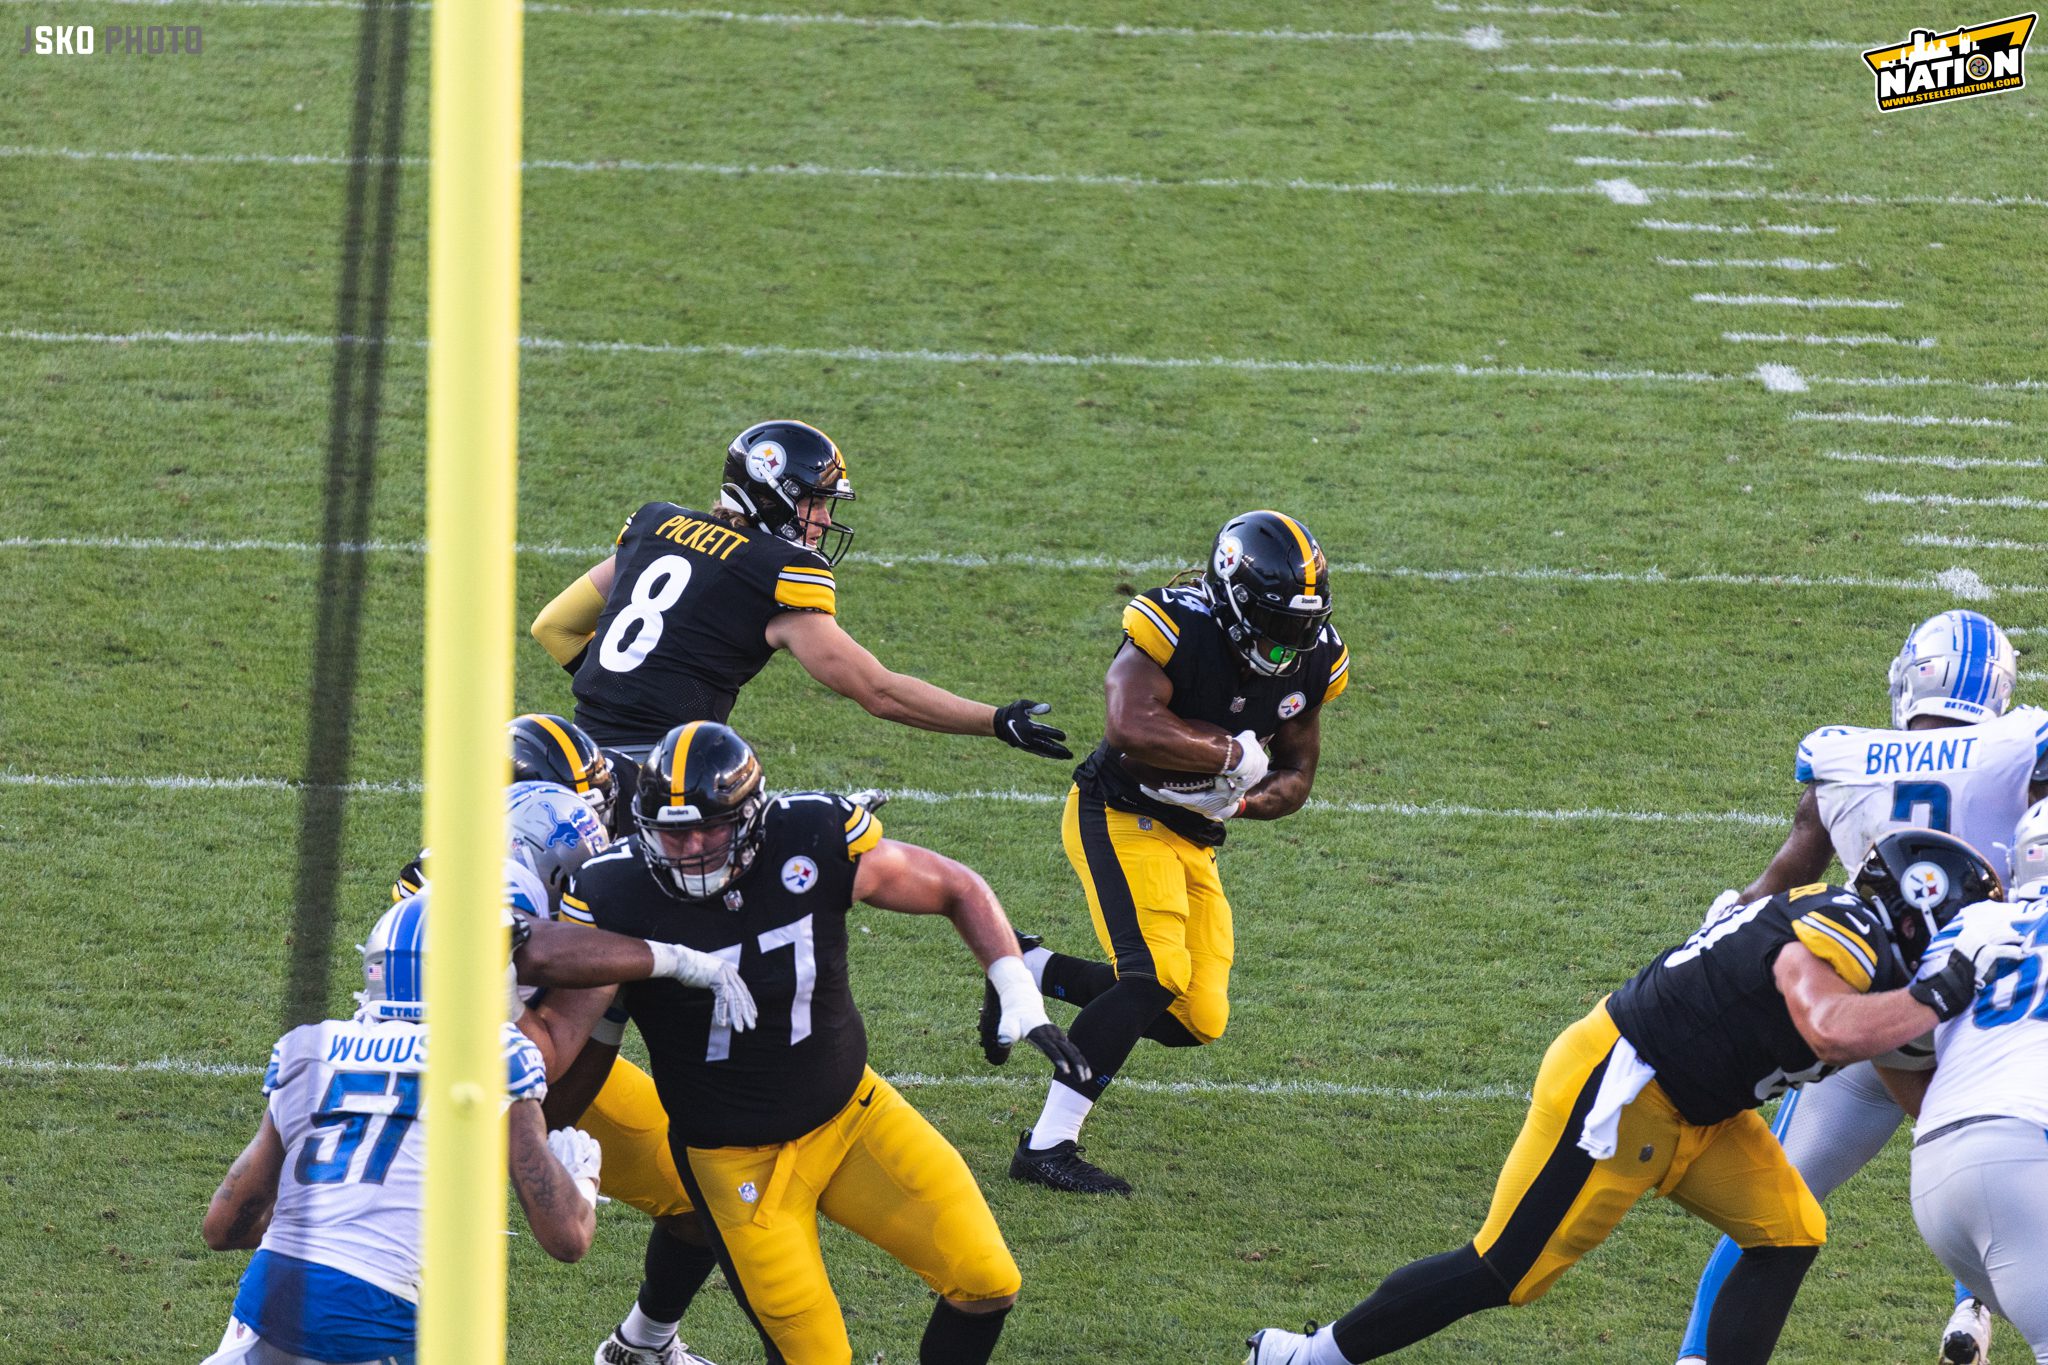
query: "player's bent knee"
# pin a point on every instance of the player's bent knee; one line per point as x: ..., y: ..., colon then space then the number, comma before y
x: 1206, y: 1016
x: 983, y: 1279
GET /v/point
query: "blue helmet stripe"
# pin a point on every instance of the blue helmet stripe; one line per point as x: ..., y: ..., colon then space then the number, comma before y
x: 402, y: 958
x: 1975, y: 685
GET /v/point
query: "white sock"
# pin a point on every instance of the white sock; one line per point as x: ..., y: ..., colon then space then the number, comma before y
x: 640, y: 1330
x: 1060, y: 1121
x: 1036, y: 959
x: 1322, y: 1348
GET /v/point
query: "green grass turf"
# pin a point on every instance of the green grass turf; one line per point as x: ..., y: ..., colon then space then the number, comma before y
x: 1402, y: 953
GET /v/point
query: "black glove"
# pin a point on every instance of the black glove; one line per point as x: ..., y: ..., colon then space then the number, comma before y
x: 1949, y: 991
x: 1015, y: 728
x: 1067, y: 1062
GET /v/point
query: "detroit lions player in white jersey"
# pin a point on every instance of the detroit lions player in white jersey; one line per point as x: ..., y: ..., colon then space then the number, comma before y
x: 329, y: 1190
x: 1955, y: 759
x: 1980, y: 1161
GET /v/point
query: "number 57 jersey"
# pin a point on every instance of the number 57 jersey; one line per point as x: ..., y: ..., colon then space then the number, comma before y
x: 1970, y: 780
x: 345, y: 1098
x: 685, y: 626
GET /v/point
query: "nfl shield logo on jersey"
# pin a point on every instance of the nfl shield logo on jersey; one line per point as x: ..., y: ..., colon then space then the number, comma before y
x: 1925, y: 885
x: 799, y: 874
x: 748, y: 1193
x: 1291, y: 705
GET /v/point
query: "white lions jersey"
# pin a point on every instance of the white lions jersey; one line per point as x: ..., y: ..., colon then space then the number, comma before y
x: 345, y: 1097
x: 1970, y: 780
x: 1993, y: 1058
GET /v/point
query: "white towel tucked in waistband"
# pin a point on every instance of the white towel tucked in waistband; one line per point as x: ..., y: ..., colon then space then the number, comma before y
x: 1626, y: 1076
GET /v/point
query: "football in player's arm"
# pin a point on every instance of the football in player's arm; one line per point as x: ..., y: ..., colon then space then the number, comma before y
x: 1206, y: 676
x: 1656, y: 1088
x: 691, y: 605
x: 773, y: 1126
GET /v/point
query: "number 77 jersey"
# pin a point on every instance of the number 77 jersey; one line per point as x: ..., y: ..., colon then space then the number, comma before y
x: 685, y: 626
x: 782, y: 922
x: 1968, y: 780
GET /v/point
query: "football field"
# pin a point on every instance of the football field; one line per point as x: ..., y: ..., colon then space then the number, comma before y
x: 1643, y: 382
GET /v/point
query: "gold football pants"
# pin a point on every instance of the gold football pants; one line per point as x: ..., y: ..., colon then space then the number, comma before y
x: 1553, y: 1203
x: 631, y: 1129
x: 1158, y: 907
x: 878, y: 1169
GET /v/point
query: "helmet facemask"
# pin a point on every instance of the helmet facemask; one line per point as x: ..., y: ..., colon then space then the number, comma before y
x: 716, y: 861
x: 771, y: 487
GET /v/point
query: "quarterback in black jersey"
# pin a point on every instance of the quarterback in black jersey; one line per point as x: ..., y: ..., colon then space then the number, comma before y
x: 691, y: 605
x: 774, y: 1125
x: 1206, y: 675
x: 1657, y: 1088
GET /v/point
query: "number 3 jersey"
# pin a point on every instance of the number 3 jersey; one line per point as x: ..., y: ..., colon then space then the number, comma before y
x: 783, y: 923
x: 345, y: 1098
x: 685, y: 626
x: 1708, y: 1016
x: 1970, y: 780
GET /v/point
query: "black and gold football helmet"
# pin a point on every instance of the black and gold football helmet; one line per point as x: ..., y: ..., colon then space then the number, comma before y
x: 773, y: 468
x: 550, y: 749
x: 1269, y: 585
x: 1919, y: 880
x: 699, y: 809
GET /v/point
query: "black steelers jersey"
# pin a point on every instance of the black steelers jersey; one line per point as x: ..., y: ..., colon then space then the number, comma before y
x: 1708, y: 1016
x: 784, y: 923
x: 685, y: 625
x: 1178, y: 631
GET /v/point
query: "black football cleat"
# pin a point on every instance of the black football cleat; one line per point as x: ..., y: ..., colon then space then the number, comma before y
x: 993, y: 1052
x: 1061, y: 1167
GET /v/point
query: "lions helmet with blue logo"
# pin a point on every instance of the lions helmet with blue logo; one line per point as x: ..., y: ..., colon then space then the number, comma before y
x: 2030, y: 855
x: 1958, y: 665
x: 395, y: 954
x: 554, y: 829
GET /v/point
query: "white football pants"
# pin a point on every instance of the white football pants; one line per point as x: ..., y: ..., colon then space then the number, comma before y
x: 1980, y: 1196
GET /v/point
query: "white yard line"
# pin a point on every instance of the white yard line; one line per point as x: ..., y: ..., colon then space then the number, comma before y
x: 1937, y: 461
x: 1923, y: 419
x: 1788, y: 301
x: 1738, y: 229
x: 1623, y: 191
x: 1622, y: 130
x: 1568, y: 11
x: 2012, y: 502
x: 1079, y: 179
x: 1620, y: 103
x: 1639, y: 72
x: 1288, y: 1089
x: 1780, y: 378
x: 1977, y: 543
x: 1812, y: 339
x: 1745, y: 163
x: 1549, y: 575
x: 1747, y: 263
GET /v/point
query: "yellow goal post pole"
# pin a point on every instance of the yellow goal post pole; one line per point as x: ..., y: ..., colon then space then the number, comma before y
x: 472, y: 419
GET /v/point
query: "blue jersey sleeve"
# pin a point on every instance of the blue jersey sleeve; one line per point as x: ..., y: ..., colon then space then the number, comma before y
x: 526, y: 1075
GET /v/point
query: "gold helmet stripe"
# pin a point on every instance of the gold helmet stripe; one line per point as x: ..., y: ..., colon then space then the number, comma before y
x: 561, y: 737
x: 1308, y: 553
x: 675, y: 777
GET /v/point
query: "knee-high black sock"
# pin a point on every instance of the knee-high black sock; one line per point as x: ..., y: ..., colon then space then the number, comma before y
x: 1075, y: 980
x: 956, y: 1338
x: 675, y: 1271
x: 1420, y: 1300
x: 1110, y: 1027
x: 1755, y: 1300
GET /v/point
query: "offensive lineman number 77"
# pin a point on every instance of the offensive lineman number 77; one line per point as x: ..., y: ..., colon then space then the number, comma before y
x: 797, y: 937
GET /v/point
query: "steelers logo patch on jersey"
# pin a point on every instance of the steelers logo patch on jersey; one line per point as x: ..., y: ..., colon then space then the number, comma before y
x: 766, y: 461
x: 799, y: 874
x: 1925, y: 885
x: 1292, y: 705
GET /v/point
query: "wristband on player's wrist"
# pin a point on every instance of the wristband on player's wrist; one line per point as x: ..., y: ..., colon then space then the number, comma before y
x: 611, y: 1029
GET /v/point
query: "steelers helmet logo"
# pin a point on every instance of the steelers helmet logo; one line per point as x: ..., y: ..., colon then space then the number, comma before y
x: 1229, y: 554
x: 767, y: 460
x: 1925, y: 886
x: 799, y: 874
x: 1292, y: 705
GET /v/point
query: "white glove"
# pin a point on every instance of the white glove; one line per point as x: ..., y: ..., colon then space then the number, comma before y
x: 1723, y: 903
x: 1023, y: 1019
x: 1252, y: 764
x: 580, y: 1157
x: 732, y: 1003
x: 1224, y: 801
x: 1987, y: 939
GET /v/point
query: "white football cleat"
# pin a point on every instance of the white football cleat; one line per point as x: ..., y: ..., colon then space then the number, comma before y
x: 1276, y: 1346
x: 1967, y: 1338
x: 617, y: 1351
